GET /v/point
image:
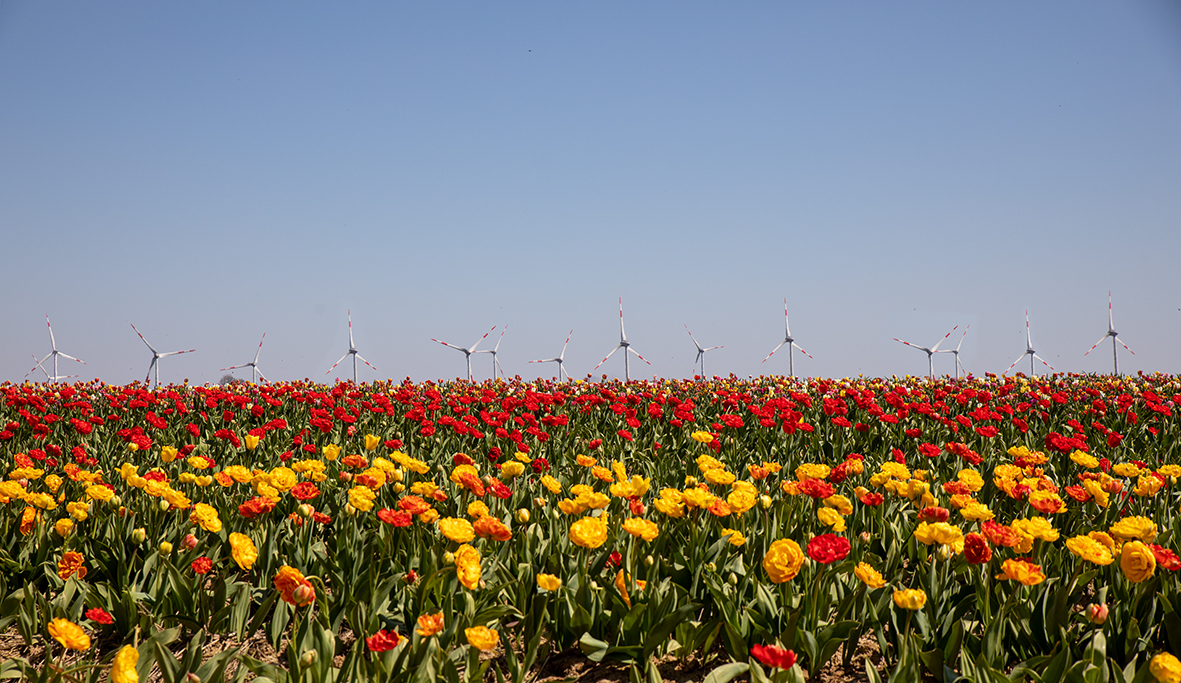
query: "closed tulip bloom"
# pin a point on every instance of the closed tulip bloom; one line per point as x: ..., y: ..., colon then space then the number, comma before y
x: 548, y: 582
x: 458, y: 530
x: 1137, y: 561
x: 482, y: 637
x: 910, y: 598
x: 467, y: 566
x: 429, y: 624
x: 123, y: 667
x: 976, y: 550
x: 589, y: 532
x: 783, y: 560
x: 1090, y: 550
x: 1165, y: 668
x: 243, y: 551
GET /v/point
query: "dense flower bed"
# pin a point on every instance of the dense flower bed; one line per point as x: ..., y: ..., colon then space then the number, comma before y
x: 994, y: 528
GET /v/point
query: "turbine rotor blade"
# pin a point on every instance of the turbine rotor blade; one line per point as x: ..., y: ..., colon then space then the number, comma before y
x: 337, y: 363
x: 365, y: 361
x: 936, y: 346
x: 1019, y: 359
x: 457, y: 348
x: 144, y: 340
x: 71, y: 357
x: 620, y: 346
x: 52, y: 341
x: 637, y: 355
x: 264, y: 338
x: 1101, y: 340
x: 775, y: 349
x: 801, y: 350
x: 1121, y: 343
x: 1043, y: 361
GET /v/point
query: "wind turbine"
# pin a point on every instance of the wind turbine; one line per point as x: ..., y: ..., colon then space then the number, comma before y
x: 623, y: 344
x: 1114, y: 337
x: 700, y: 353
x: 467, y: 353
x: 156, y: 356
x: 559, y: 360
x: 791, y: 343
x: 956, y: 353
x: 41, y: 367
x: 253, y: 365
x: 53, y: 354
x: 1029, y: 351
x: 493, y: 350
x: 931, y: 351
x: 351, y: 352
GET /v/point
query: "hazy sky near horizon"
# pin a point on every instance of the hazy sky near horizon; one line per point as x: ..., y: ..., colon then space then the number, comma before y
x: 214, y: 171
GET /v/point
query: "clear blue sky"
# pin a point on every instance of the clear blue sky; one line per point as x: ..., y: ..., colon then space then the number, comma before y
x: 213, y: 171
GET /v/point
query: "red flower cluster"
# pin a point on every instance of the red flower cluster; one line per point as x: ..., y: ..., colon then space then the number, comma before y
x: 773, y: 656
x: 828, y: 548
x: 383, y: 640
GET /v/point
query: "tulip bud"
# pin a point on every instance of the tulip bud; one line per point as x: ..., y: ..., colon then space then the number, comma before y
x: 711, y: 567
x: 398, y: 488
x: 396, y: 476
x: 165, y: 548
x: 192, y: 678
x: 116, y: 501
x: 944, y: 552
x: 346, y: 476
x: 305, y: 510
x: 303, y: 594
x: 448, y: 557
x: 411, y: 577
x: 594, y: 585
x: 765, y: 501
x: 189, y: 542
x: 1097, y: 614
x: 539, y: 502
x: 523, y: 516
x: 163, y: 505
x: 307, y: 658
x: 139, y: 535
x: 350, y: 510
x: 732, y: 579
x: 649, y: 560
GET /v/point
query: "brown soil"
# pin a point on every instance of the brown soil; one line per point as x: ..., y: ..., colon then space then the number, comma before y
x: 565, y: 667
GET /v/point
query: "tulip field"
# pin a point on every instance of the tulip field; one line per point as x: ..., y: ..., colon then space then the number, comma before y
x: 987, y: 529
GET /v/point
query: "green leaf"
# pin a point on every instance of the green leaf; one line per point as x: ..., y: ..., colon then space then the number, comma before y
x: 727, y: 672
x: 592, y: 647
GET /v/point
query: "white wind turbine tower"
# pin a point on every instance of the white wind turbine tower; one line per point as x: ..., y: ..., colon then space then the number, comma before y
x: 253, y: 365
x: 1029, y: 351
x: 931, y: 351
x: 156, y: 356
x: 700, y: 353
x: 53, y: 354
x: 351, y: 352
x: 467, y: 353
x: 623, y: 344
x: 1114, y: 338
x: 559, y: 360
x: 956, y: 353
x: 791, y: 343
x: 493, y: 350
